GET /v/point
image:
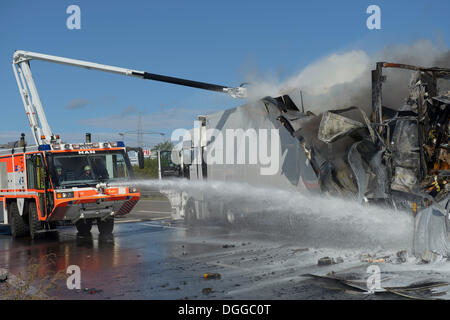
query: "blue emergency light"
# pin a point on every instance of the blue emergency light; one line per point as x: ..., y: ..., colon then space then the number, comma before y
x: 44, y: 147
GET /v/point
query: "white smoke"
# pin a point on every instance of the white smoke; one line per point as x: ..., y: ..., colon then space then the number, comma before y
x: 344, y: 79
x: 318, y: 78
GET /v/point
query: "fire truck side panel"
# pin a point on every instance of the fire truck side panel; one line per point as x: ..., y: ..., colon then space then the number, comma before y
x: 14, y: 184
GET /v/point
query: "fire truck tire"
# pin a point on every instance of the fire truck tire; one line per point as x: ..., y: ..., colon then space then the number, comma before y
x: 106, y: 226
x: 84, y: 226
x: 18, y: 226
x: 33, y: 221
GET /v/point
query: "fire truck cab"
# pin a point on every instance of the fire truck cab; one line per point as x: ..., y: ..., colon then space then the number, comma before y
x: 78, y: 183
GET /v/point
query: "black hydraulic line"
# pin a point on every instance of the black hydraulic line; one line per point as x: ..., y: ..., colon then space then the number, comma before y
x: 179, y: 81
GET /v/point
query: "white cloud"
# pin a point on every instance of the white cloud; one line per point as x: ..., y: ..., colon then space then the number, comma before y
x: 77, y: 103
x: 10, y: 136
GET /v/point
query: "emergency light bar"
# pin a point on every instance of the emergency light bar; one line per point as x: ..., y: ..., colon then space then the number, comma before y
x: 77, y: 146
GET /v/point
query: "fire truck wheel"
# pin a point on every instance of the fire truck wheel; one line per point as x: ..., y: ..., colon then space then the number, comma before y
x: 33, y: 221
x: 106, y: 226
x: 18, y: 226
x: 84, y: 226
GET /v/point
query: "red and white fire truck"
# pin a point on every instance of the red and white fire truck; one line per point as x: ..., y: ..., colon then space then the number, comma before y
x: 77, y: 182
x: 43, y: 184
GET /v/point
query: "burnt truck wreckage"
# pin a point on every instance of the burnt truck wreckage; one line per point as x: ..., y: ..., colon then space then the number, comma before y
x: 397, y: 157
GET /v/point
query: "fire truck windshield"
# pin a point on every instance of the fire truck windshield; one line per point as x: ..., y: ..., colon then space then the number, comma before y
x: 75, y: 169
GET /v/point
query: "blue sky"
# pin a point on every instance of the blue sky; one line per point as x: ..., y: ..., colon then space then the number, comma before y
x: 212, y: 41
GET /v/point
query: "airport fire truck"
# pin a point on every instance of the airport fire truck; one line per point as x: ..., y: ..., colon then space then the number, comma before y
x: 53, y: 181
x: 43, y: 184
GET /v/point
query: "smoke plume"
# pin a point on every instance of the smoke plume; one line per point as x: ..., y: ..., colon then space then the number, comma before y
x: 344, y: 79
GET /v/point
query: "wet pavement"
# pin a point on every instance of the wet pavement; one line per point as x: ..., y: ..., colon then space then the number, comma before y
x: 151, y: 257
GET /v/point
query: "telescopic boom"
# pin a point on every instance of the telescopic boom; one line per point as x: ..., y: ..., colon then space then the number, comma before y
x: 33, y: 107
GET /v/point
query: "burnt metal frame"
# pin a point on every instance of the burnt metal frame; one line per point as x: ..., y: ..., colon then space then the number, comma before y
x: 377, y: 106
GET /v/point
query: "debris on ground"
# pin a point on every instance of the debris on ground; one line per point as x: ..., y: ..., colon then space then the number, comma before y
x: 176, y: 288
x: 92, y: 290
x: 206, y: 291
x: 332, y: 282
x: 228, y: 246
x: 429, y: 256
x: 211, y: 275
x: 339, y: 260
x: 429, y: 290
x: 368, y: 258
x: 3, y: 275
x: 420, y: 291
x: 326, y: 261
x: 402, y: 255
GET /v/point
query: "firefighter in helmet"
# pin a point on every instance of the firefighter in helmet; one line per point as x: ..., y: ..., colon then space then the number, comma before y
x: 60, y: 176
x: 87, y: 173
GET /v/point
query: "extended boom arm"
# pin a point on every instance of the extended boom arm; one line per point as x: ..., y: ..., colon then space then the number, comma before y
x: 41, y: 130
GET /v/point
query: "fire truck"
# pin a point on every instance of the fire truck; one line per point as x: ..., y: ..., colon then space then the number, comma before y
x: 81, y: 183
x: 40, y: 185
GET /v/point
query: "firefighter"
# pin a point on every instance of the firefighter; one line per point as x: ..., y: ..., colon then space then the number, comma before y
x: 60, y: 176
x: 86, y: 173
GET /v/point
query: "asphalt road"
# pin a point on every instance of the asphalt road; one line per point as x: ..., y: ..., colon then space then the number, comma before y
x: 151, y: 257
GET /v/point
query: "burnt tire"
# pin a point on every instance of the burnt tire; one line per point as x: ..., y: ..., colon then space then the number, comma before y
x: 84, y: 226
x: 34, y: 223
x: 106, y: 226
x: 16, y: 223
